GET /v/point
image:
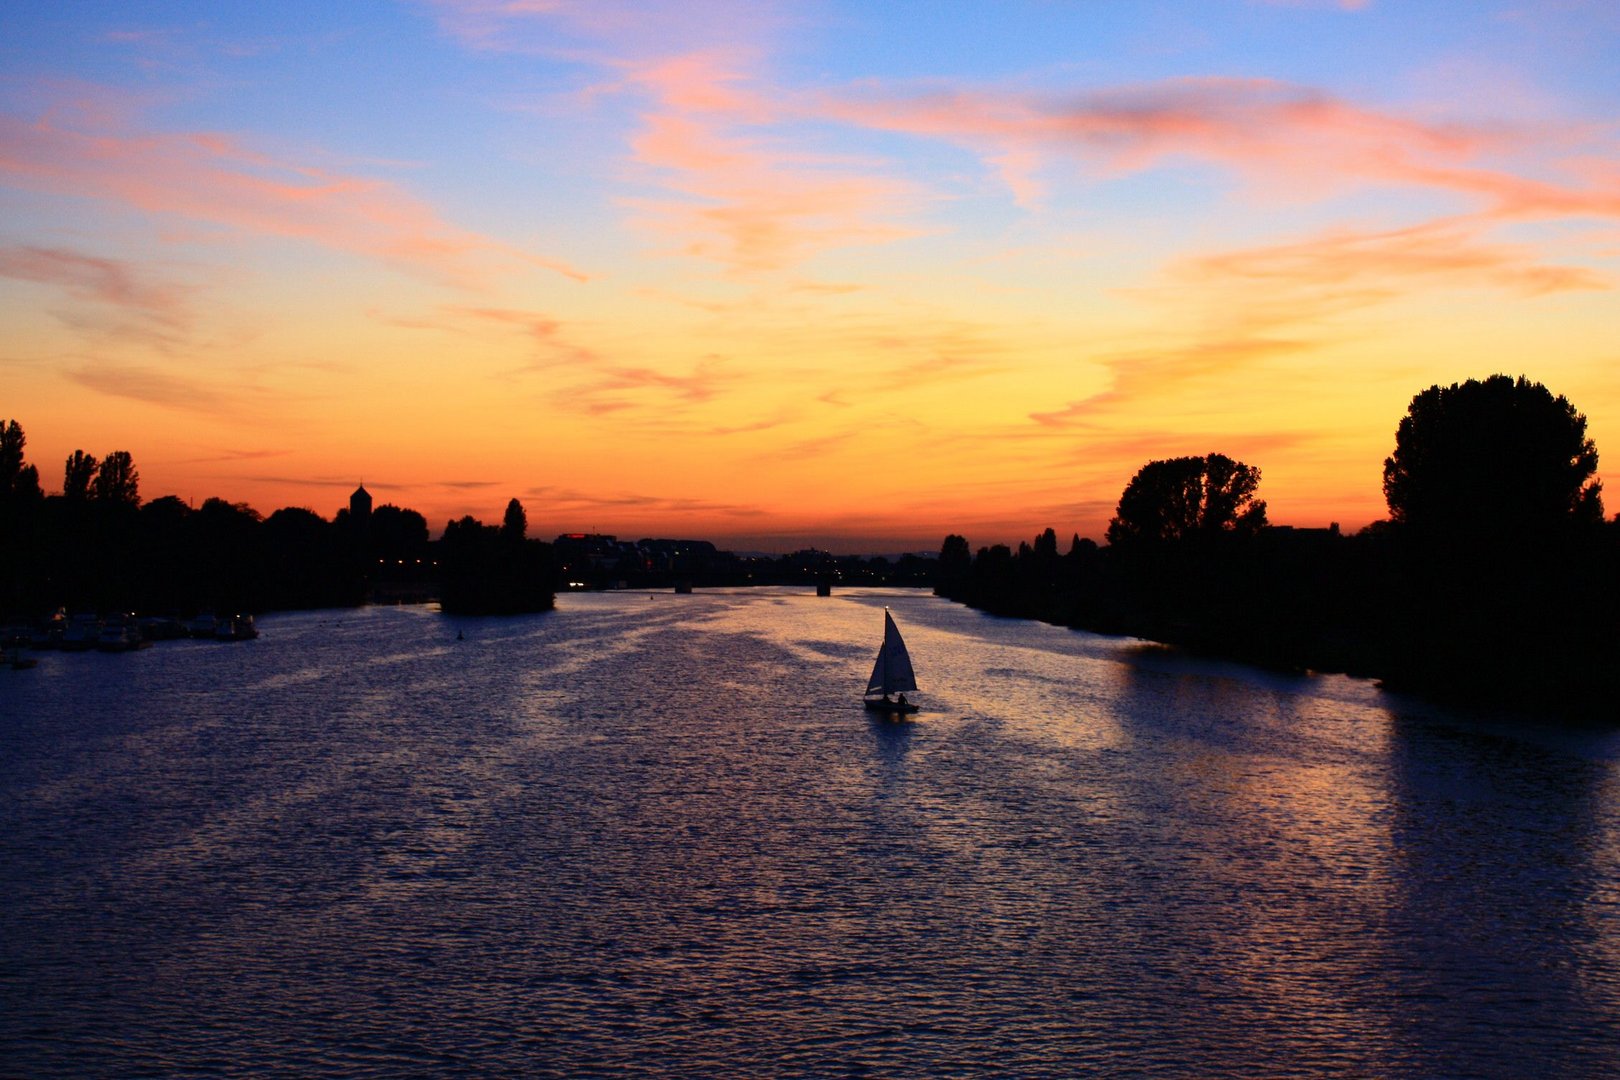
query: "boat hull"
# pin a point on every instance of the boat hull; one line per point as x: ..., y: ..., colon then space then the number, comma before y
x: 893, y: 708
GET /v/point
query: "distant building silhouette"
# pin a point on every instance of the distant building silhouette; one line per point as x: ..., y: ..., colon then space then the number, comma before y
x: 360, y: 506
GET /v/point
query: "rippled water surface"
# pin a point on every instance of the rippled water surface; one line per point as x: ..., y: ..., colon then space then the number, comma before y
x: 657, y: 835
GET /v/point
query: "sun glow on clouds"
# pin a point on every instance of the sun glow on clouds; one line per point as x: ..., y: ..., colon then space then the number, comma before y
x: 775, y: 293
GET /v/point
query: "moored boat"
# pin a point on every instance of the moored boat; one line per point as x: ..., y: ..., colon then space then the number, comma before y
x: 49, y: 635
x: 161, y: 628
x: 236, y: 628
x: 82, y: 633
x: 120, y: 633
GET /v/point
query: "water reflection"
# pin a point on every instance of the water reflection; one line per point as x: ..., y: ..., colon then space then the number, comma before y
x: 663, y: 837
x: 1479, y: 812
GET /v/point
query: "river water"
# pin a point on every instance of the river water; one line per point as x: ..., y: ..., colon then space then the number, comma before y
x: 657, y: 835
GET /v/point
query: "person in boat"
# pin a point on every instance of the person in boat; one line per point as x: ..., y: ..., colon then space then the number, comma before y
x: 903, y: 702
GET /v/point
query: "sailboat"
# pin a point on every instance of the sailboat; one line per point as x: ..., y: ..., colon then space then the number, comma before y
x: 892, y: 673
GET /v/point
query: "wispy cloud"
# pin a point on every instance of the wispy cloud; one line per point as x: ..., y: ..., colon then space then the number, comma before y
x: 222, y: 456
x: 561, y: 502
x: 107, y: 281
x: 216, y: 178
x: 1261, y: 126
x: 745, y: 191
x: 149, y: 310
x: 347, y: 483
x: 735, y: 176
x: 148, y: 385
x: 616, y: 388
x: 552, y: 345
x: 1277, y: 302
x: 765, y: 424
x: 1289, y: 140
x: 1139, y: 373
x: 1387, y: 263
x: 466, y: 485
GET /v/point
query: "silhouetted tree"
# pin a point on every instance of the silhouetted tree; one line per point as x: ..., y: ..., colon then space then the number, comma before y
x: 305, y: 561
x: 1046, y: 545
x: 78, y: 474
x: 229, y: 555
x: 955, y: 561
x: 1177, y: 499
x: 116, y: 480
x: 515, y: 525
x: 1502, y: 456
x: 397, y: 533
x: 167, y: 559
x: 20, y: 504
x: 19, y: 481
x: 487, y: 571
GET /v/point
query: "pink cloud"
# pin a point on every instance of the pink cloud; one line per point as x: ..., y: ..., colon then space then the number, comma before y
x: 1256, y: 125
x: 735, y: 188
x: 739, y: 194
x: 211, y: 177
x: 106, y: 281
x: 1266, y: 129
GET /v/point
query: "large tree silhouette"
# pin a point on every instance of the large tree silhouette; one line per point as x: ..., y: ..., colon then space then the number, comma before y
x: 118, y: 481
x: 1502, y: 457
x: 1173, y: 500
x: 515, y: 525
x: 18, y: 479
x: 78, y: 473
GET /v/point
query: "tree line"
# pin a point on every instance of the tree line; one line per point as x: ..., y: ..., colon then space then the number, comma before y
x: 96, y: 547
x: 1494, y: 579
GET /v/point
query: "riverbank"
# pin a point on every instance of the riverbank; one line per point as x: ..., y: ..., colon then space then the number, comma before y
x: 1536, y: 631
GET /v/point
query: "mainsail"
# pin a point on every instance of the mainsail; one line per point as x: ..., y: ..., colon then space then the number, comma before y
x: 892, y: 673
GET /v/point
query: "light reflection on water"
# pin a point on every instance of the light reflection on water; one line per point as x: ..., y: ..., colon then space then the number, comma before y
x: 660, y: 836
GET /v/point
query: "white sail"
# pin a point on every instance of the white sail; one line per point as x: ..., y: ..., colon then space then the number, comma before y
x: 892, y: 673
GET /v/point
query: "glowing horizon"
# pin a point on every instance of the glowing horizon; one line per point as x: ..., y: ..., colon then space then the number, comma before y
x: 840, y: 274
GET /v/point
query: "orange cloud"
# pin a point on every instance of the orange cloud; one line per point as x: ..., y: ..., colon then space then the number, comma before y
x: 1138, y: 373
x: 610, y: 388
x: 1385, y: 264
x: 552, y: 346
x: 1268, y: 303
x: 590, y: 383
x: 210, y: 177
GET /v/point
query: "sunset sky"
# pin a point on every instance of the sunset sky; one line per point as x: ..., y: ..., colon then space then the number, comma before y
x: 851, y: 275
